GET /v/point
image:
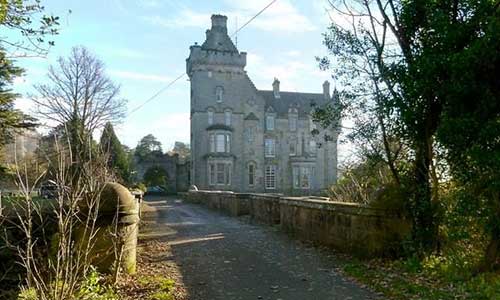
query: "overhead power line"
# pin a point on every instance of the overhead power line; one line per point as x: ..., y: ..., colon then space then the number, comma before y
x: 182, y: 75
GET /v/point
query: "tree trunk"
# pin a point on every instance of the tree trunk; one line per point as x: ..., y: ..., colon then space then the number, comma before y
x: 424, y: 225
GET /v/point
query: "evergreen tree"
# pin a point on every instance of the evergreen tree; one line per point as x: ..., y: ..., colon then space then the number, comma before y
x: 118, y: 158
x: 148, y: 147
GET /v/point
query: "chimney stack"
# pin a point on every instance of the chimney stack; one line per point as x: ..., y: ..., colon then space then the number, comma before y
x: 276, y: 88
x: 219, y: 23
x: 326, y: 89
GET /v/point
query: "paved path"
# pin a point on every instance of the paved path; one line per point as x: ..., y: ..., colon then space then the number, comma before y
x: 228, y: 258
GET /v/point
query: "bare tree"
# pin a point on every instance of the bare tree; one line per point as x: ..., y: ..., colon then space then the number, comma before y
x: 79, y: 90
x: 80, y: 97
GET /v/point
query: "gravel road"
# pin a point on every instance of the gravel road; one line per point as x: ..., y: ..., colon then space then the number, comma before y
x: 221, y: 257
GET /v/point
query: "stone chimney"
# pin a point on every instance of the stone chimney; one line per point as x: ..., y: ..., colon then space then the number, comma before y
x: 326, y: 89
x: 219, y: 23
x: 276, y: 88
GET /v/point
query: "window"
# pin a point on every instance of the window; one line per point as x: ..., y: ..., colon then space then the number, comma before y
x: 312, y: 146
x: 228, y: 143
x: 292, y: 123
x: 227, y: 117
x: 270, y: 148
x: 249, y: 134
x: 312, y: 125
x: 270, y: 122
x: 219, y: 92
x: 305, y: 177
x: 302, y: 177
x: 293, y: 119
x: 212, y: 142
x: 211, y: 172
x: 220, y: 142
x: 293, y: 147
x: 296, y: 177
x: 219, y: 173
x: 210, y: 117
x: 251, y: 174
x: 270, y: 177
x: 228, y: 174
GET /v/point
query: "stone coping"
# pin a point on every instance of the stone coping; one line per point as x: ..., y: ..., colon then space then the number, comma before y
x: 311, y: 202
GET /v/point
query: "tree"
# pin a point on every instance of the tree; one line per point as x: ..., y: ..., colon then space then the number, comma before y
x: 181, y: 149
x: 426, y: 60
x: 148, y: 147
x: 118, y: 158
x: 17, y: 17
x: 156, y: 176
x: 80, y: 96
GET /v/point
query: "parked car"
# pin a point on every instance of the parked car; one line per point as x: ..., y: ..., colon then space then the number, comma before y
x: 49, y: 189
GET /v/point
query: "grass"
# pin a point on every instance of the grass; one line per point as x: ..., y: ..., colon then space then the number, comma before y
x: 162, y: 287
x: 430, y: 279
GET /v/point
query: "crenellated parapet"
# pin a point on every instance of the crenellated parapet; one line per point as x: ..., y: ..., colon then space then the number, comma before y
x: 213, y: 60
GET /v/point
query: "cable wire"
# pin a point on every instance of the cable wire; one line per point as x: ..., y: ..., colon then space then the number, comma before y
x: 182, y: 75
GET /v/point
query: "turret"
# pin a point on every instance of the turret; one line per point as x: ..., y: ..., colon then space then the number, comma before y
x: 276, y: 88
x: 217, y: 53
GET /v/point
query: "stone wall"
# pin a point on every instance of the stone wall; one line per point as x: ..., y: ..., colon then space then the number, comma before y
x: 348, y: 227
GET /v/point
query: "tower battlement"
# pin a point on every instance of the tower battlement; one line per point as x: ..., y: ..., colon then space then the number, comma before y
x: 213, y: 59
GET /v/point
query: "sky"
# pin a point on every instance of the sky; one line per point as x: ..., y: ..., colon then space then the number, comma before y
x: 144, y: 45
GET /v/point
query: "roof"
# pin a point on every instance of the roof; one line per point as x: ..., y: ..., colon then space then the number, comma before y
x: 218, y: 40
x: 302, y: 101
x: 251, y: 116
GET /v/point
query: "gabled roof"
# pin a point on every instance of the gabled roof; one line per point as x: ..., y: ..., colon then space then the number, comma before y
x: 302, y: 101
x: 251, y: 116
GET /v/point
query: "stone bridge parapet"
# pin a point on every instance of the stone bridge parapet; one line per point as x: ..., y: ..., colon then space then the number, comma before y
x: 348, y: 227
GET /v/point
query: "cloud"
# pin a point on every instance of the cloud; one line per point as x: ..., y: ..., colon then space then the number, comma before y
x: 294, y: 74
x: 282, y: 16
x: 186, y: 18
x: 139, y: 76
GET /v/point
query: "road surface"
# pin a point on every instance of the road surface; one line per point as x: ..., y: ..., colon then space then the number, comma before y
x: 228, y: 258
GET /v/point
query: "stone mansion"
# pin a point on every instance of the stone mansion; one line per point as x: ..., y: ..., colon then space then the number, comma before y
x: 249, y: 140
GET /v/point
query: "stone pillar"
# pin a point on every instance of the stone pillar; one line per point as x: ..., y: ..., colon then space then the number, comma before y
x: 117, y: 229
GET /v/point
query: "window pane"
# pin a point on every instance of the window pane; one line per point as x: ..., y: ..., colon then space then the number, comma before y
x: 270, y: 177
x: 228, y: 143
x: 210, y: 117
x: 270, y: 122
x: 220, y: 143
x: 269, y: 147
x: 227, y: 118
x: 220, y: 173
x: 312, y: 146
x: 251, y: 174
x: 228, y: 174
x: 293, y: 147
x: 296, y: 177
x: 305, y: 177
x: 212, y: 143
x: 218, y: 93
x: 292, y: 122
x: 211, y: 171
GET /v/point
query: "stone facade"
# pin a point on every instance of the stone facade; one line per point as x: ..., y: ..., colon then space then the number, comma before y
x: 249, y: 140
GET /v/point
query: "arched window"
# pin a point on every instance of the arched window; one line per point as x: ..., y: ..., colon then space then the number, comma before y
x: 219, y: 93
